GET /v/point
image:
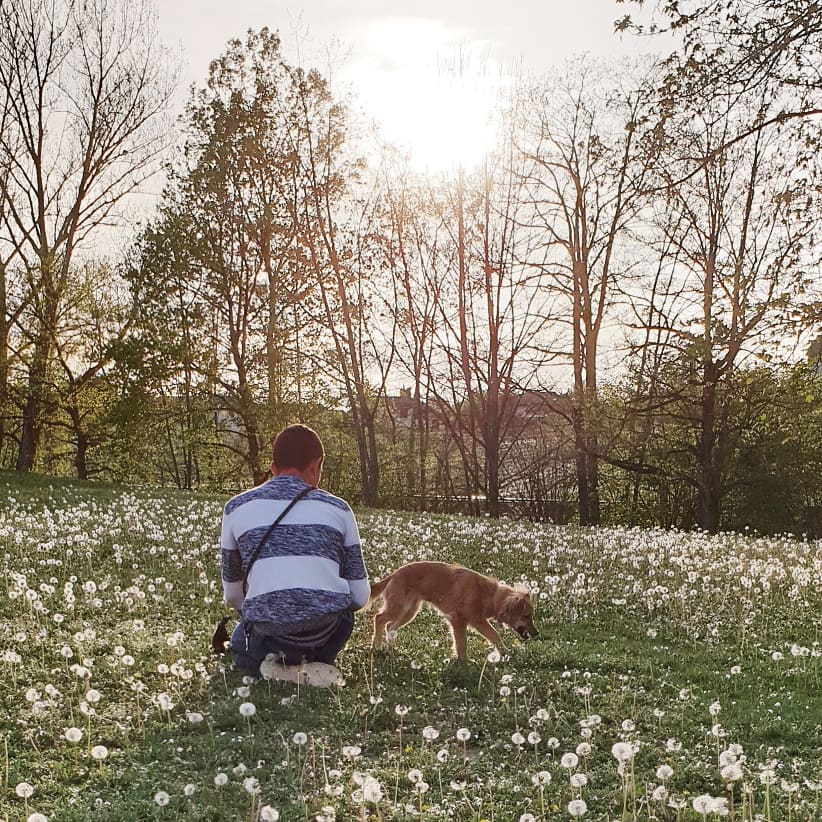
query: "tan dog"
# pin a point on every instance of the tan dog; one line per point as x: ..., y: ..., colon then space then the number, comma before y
x: 465, y: 598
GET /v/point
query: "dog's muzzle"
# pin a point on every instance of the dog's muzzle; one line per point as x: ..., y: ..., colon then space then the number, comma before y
x: 527, y: 633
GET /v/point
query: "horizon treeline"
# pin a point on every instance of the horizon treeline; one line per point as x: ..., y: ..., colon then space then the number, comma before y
x: 616, y: 318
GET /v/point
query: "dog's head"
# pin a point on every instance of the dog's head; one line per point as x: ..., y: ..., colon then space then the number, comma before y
x: 518, y: 613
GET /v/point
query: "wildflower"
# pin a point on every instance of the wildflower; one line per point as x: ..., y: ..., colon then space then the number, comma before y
x: 494, y: 656
x: 220, y: 779
x: 628, y: 726
x: 660, y: 794
x: 189, y: 789
x: 704, y: 804
x: 442, y: 755
x: 269, y: 814
x: 430, y: 733
x: 541, y: 778
x: 371, y: 789
x: 527, y: 817
x: 421, y: 786
x: 37, y: 817
x: 248, y: 709
x: 569, y: 761
x: 251, y: 785
x: 622, y: 752
x: 534, y: 738
x: 73, y: 734
x: 351, y: 751
x: 93, y: 696
x: 664, y: 772
x: 414, y: 775
x: 583, y: 749
x: 577, y: 807
x: 401, y: 710
x: 300, y: 738
x: 579, y: 780
x: 714, y: 708
x: 24, y: 790
x: 457, y: 786
x: 194, y: 717
x: 517, y: 738
x: 99, y: 752
x: 463, y: 734
x: 161, y: 798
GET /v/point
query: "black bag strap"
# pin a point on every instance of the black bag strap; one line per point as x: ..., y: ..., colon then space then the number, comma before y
x: 267, y: 534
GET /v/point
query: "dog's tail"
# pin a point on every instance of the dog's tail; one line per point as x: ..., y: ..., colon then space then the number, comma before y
x: 376, y: 590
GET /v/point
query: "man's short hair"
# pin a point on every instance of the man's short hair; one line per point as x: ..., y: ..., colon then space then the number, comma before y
x: 296, y: 446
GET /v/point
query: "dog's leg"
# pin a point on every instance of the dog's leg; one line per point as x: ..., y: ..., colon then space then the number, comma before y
x: 458, y: 632
x: 489, y: 632
x: 388, y: 620
x: 380, y: 624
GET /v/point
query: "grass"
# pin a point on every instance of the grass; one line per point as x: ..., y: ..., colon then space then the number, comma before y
x: 698, y: 657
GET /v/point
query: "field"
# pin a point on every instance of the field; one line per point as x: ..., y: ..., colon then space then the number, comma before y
x: 676, y: 677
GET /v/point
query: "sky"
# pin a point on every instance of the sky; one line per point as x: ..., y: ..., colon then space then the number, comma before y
x: 426, y: 71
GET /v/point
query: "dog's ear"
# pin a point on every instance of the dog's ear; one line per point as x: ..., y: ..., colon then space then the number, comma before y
x: 514, y: 605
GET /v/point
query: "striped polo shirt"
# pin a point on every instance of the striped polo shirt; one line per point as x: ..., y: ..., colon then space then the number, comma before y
x: 310, y: 568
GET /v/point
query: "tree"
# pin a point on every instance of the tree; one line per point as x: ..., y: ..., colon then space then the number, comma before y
x: 737, y: 240
x: 730, y: 49
x: 585, y: 172
x: 86, y: 87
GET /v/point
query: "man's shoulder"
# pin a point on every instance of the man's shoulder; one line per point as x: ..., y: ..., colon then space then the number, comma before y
x: 266, y: 490
x: 321, y: 495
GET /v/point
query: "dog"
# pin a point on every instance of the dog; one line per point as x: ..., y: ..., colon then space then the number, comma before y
x: 465, y: 598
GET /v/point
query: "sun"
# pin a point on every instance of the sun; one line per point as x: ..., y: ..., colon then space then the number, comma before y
x: 433, y: 93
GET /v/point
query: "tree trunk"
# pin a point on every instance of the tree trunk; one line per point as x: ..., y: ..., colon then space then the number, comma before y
x: 707, y: 508
x: 32, y: 422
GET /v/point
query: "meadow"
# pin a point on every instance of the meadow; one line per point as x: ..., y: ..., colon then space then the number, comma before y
x: 676, y: 677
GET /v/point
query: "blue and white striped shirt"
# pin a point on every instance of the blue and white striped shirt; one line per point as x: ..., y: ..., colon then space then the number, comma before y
x: 309, y: 569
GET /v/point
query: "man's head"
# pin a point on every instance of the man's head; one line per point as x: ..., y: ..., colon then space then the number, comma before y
x: 298, y: 450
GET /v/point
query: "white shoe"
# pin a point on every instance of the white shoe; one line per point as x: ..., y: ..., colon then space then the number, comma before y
x: 321, y: 675
x: 317, y: 674
x: 271, y: 668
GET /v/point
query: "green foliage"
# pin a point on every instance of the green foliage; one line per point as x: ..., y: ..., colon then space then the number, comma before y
x: 679, y: 645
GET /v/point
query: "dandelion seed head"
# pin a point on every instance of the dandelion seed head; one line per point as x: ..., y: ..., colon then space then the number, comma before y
x: 161, y: 799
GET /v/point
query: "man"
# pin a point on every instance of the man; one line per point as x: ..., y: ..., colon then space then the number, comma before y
x: 308, y: 576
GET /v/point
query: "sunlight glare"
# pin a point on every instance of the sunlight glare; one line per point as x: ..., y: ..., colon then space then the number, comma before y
x: 432, y: 92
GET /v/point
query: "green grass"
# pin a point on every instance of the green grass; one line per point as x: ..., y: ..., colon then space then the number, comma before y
x: 699, y: 652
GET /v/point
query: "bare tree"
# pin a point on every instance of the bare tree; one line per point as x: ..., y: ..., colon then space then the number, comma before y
x: 87, y: 85
x: 737, y: 242
x: 580, y: 138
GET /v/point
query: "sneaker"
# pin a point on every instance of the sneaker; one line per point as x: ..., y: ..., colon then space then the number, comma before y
x: 321, y: 675
x: 274, y: 669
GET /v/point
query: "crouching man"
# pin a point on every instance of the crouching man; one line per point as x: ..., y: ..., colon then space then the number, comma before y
x: 291, y: 561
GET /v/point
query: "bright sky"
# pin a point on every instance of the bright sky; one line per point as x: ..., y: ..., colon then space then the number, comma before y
x: 426, y: 70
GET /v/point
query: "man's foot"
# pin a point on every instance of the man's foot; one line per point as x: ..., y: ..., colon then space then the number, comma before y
x: 272, y: 668
x: 322, y: 675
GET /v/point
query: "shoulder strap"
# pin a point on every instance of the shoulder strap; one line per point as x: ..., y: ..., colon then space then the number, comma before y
x: 267, y: 534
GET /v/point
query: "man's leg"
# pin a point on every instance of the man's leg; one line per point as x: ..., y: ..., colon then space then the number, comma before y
x: 335, y: 643
x: 251, y: 647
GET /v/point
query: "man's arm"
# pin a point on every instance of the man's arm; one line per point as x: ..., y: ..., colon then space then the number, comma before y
x: 231, y: 567
x: 354, y: 567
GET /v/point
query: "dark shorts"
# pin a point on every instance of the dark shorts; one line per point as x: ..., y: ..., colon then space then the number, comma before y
x: 251, y: 647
